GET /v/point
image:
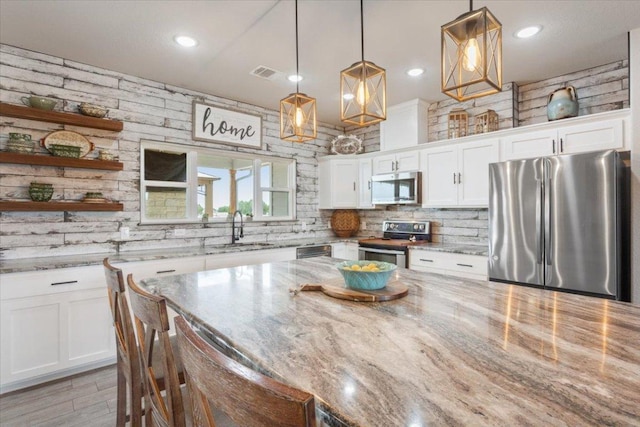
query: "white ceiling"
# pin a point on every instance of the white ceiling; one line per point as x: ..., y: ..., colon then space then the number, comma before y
x: 136, y: 37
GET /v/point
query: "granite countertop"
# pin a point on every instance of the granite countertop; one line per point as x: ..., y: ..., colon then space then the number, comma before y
x: 453, y: 352
x: 68, y: 261
x: 82, y: 260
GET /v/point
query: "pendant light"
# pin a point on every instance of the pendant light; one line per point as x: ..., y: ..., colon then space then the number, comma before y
x: 472, y: 55
x: 298, y: 111
x: 363, y: 98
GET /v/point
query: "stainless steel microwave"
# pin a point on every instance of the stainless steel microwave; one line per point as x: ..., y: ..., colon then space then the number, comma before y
x: 401, y: 188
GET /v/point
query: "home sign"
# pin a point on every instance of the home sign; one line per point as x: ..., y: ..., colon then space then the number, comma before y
x: 213, y: 124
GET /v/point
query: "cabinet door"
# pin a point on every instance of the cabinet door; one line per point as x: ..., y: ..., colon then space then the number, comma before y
x: 384, y: 164
x: 344, y: 178
x: 473, y: 167
x: 439, y: 177
x: 31, y: 336
x: 364, y: 184
x: 529, y: 144
x: 408, y: 161
x: 594, y: 136
x: 89, y: 327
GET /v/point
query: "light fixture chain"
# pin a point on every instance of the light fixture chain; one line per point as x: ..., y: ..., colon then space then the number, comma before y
x: 362, y: 29
x: 297, y: 64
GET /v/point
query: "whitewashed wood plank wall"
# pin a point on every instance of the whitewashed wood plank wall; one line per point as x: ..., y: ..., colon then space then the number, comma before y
x: 156, y: 111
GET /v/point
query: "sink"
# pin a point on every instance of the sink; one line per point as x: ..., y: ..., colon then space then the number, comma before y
x: 245, y: 245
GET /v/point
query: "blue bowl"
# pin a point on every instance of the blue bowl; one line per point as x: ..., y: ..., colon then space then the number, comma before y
x: 363, y: 279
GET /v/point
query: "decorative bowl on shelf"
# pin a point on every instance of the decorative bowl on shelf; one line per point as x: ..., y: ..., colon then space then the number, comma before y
x: 366, y: 275
x: 39, y: 102
x: 92, y: 110
x: 61, y: 150
x: 40, y: 192
x: 20, y: 143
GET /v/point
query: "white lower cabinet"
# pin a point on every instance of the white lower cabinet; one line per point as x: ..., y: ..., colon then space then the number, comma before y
x: 460, y: 265
x: 161, y: 268
x: 53, y: 324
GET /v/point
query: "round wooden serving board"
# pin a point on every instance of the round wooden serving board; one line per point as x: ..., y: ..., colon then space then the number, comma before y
x: 393, y: 290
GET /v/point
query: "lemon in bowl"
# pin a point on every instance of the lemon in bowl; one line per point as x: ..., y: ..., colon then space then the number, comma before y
x: 366, y: 275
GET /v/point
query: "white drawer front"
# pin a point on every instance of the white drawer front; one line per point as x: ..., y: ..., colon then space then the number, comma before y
x: 471, y: 266
x: 20, y: 285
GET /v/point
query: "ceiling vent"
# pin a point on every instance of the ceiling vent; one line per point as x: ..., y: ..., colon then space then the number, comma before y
x: 265, y: 72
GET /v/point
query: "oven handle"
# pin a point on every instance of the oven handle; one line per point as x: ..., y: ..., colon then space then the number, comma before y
x: 381, y: 251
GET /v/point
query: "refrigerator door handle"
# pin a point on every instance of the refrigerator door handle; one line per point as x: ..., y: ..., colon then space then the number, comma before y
x: 539, y: 228
x: 547, y: 213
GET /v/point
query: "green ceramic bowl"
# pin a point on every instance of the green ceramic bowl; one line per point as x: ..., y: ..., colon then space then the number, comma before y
x: 365, y: 280
x: 61, y: 150
x: 40, y: 192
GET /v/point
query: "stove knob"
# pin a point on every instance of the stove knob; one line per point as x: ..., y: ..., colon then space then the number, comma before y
x: 415, y: 226
x: 421, y: 227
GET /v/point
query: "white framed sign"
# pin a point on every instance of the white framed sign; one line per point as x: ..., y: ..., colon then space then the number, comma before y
x: 213, y: 124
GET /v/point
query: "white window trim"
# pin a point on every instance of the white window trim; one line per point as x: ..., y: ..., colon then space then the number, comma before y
x: 192, y: 182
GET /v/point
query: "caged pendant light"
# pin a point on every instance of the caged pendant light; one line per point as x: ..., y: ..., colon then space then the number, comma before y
x: 472, y: 55
x: 363, y: 98
x: 298, y: 111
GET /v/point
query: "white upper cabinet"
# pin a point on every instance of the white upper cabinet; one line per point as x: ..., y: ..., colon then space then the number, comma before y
x: 592, y: 134
x: 458, y: 174
x: 344, y: 182
x: 399, y: 162
x: 406, y: 125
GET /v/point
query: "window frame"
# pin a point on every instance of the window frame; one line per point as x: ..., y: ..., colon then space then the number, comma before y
x: 191, y: 183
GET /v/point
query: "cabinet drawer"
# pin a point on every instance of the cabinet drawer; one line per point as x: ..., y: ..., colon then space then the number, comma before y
x: 167, y: 267
x: 466, y: 265
x: 20, y: 285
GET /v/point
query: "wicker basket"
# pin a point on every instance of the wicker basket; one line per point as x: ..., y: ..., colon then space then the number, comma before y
x: 345, y: 222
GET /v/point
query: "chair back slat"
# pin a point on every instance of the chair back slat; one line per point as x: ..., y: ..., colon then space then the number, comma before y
x: 128, y: 357
x: 246, y: 396
x: 152, y: 322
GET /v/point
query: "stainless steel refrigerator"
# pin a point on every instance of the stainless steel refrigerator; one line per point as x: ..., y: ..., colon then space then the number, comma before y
x: 556, y: 222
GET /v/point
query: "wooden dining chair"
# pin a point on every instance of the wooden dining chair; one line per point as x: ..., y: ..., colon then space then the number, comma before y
x: 161, y: 366
x: 128, y: 359
x: 244, y: 395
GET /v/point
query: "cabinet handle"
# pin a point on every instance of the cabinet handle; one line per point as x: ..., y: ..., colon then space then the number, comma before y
x: 369, y: 185
x: 165, y: 271
x: 354, y: 186
x: 553, y: 142
x: 397, y: 165
x: 426, y: 260
x: 454, y: 177
x: 459, y: 178
x: 465, y: 265
x: 64, y: 283
x: 561, y: 145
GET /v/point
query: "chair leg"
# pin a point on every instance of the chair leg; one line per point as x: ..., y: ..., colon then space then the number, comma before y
x: 136, y: 403
x: 121, y: 417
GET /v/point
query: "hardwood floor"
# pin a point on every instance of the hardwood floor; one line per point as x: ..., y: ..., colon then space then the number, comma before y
x: 87, y: 399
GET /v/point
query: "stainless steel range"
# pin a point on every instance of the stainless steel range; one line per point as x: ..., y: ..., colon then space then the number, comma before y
x: 394, y: 245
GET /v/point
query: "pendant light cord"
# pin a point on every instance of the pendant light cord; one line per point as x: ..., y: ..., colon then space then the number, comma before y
x: 297, y: 65
x: 361, y: 29
x: 470, y: 5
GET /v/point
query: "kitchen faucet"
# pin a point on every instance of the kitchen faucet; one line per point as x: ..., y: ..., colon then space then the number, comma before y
x: 239, y: 233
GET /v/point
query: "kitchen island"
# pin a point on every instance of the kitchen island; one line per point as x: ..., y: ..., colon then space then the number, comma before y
x: 453, y: 352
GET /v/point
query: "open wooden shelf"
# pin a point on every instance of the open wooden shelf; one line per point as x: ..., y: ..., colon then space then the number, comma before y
x: 21, y: 112
x: 58, y: 206
x: 43, y: 160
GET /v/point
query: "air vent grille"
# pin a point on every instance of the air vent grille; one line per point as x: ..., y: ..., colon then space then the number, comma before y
x: 265, y: 72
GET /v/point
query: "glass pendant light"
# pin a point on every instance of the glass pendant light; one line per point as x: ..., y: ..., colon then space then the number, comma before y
x: 298, y: 111
x: 363, y: 98
x: 472, y: 55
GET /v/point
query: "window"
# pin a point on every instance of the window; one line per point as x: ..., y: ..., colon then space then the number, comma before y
x: 181, y: 184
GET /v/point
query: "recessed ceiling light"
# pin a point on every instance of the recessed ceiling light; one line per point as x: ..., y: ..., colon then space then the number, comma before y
x: 414, y: 72
x: 528, y: 32
x: 185, y: 41
x: 294, y: 78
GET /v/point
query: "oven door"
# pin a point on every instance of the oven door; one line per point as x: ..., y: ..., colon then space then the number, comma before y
x: 398, y: 258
